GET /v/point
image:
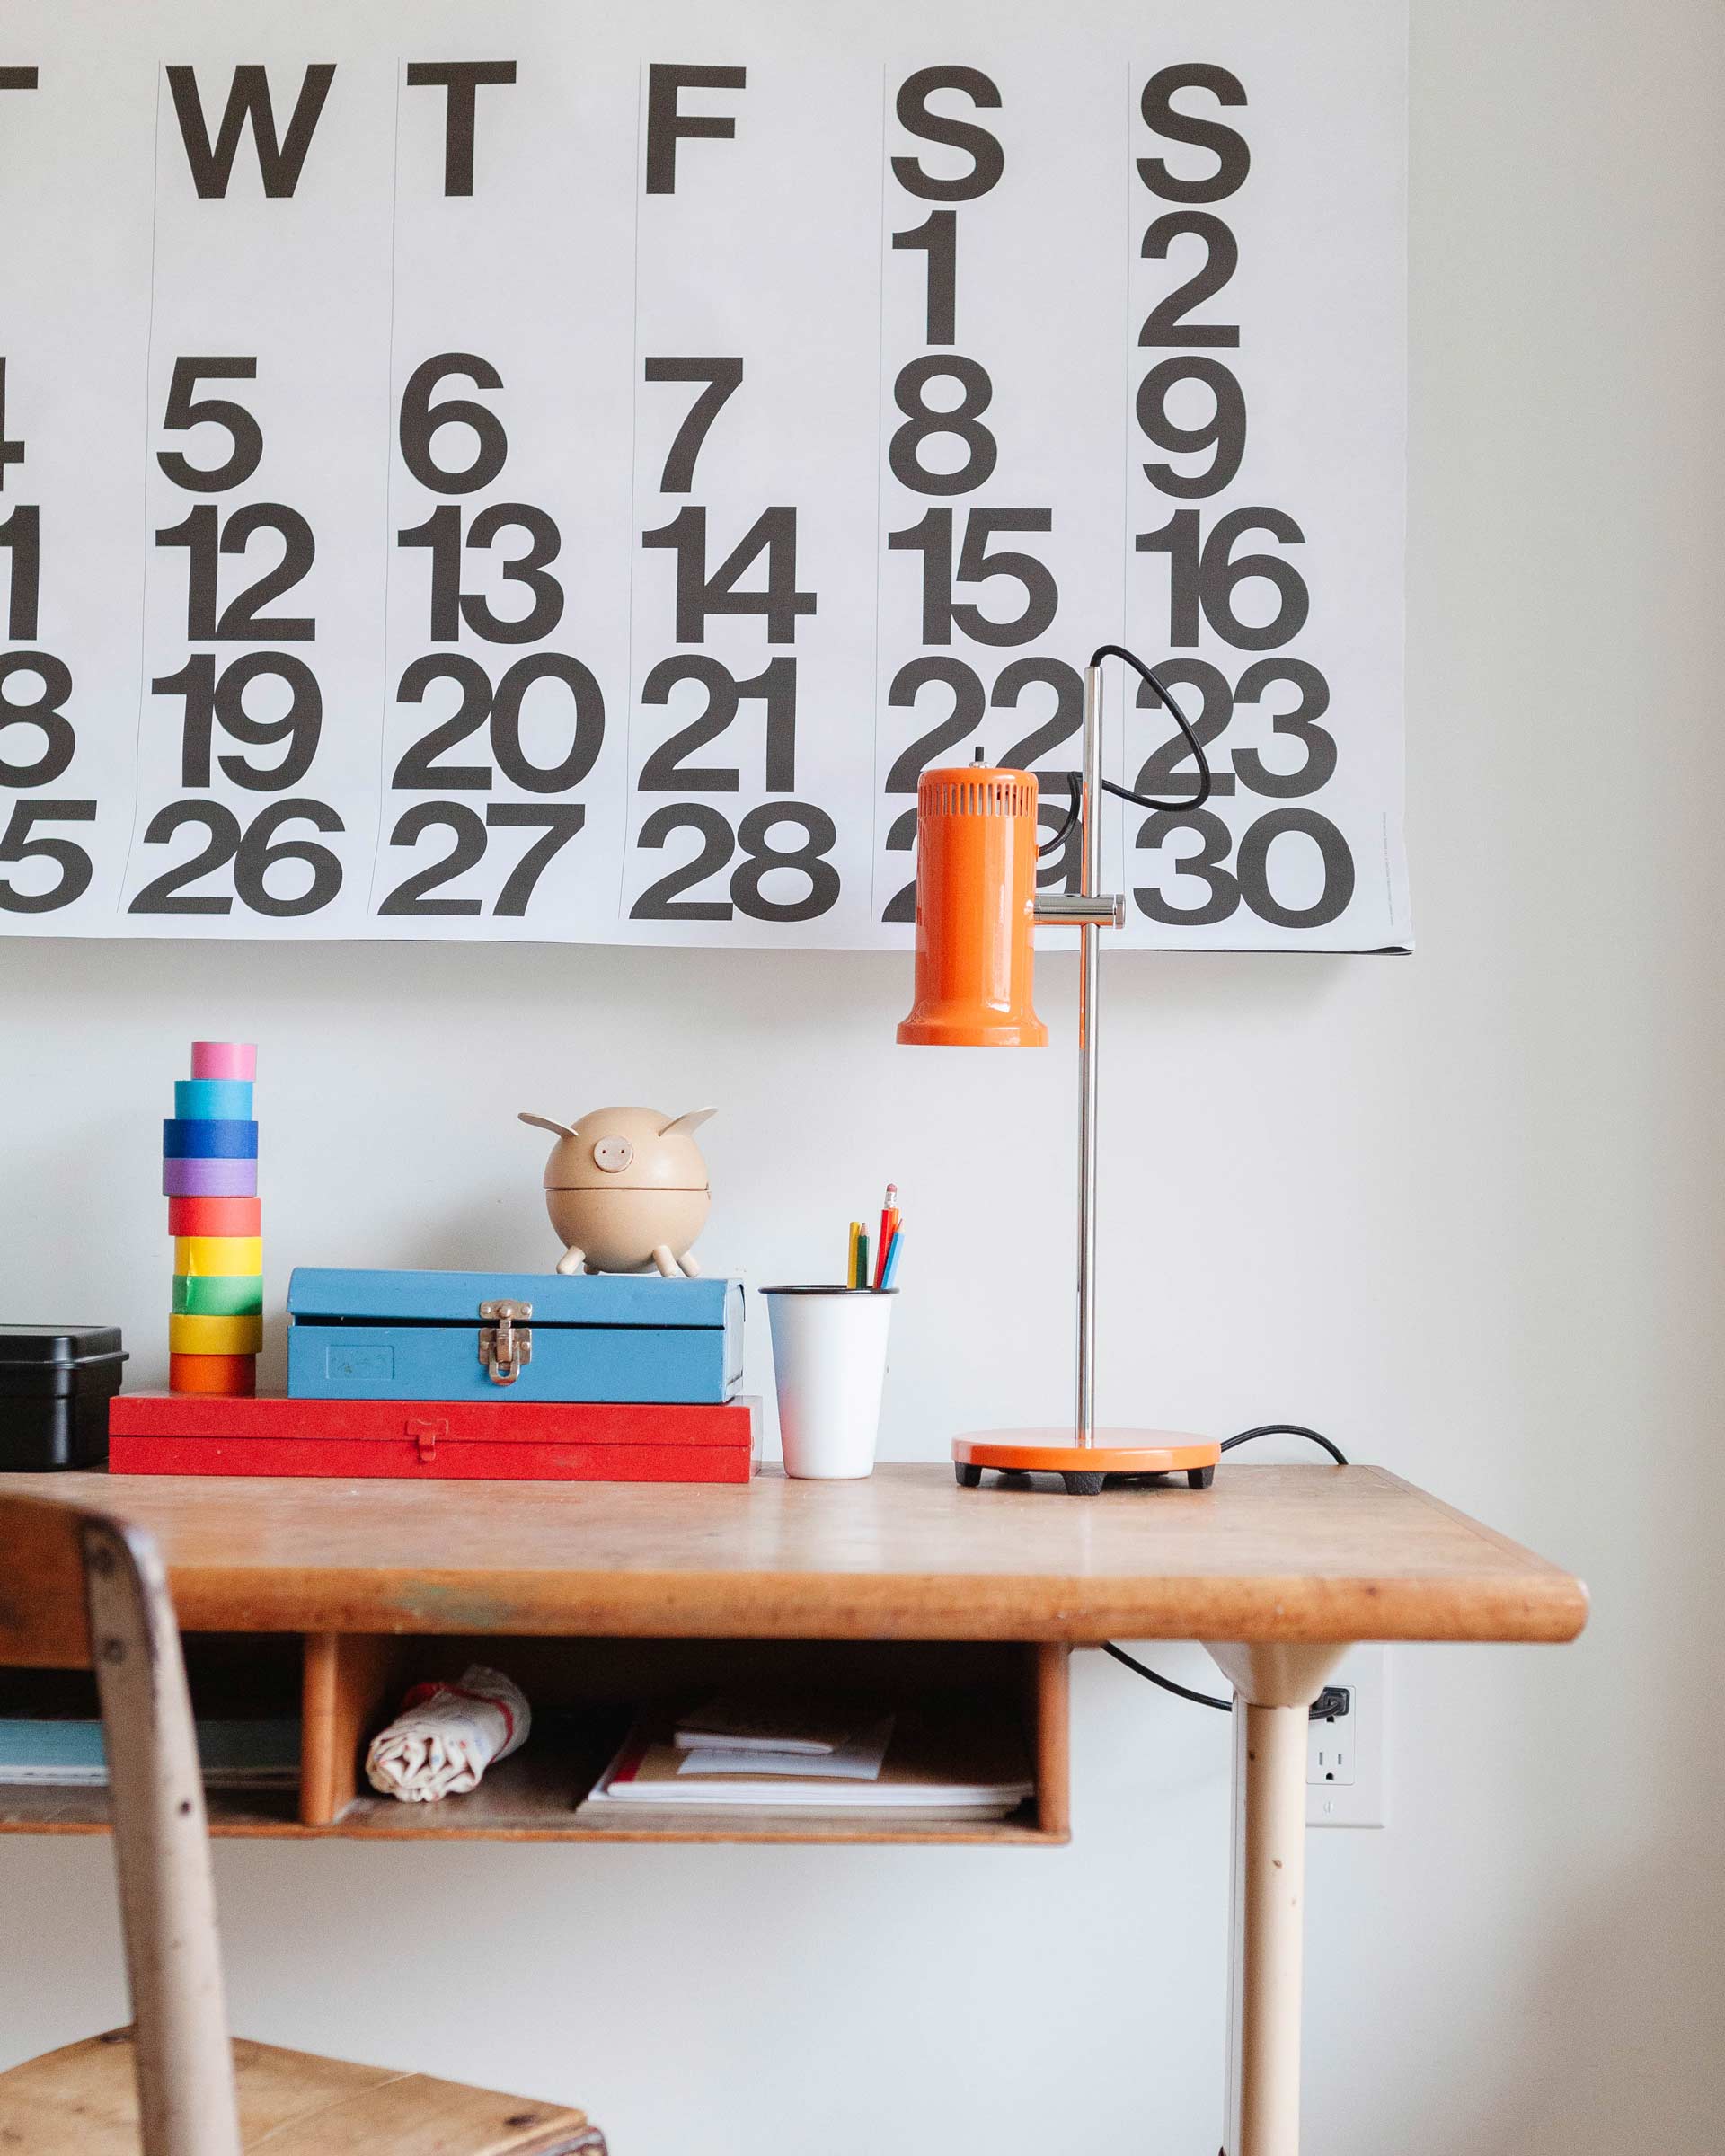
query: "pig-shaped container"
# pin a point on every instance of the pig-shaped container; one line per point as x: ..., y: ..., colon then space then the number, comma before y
x: 627, y: 1187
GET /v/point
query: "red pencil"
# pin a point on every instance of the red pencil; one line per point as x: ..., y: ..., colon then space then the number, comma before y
x: 888, y: 1229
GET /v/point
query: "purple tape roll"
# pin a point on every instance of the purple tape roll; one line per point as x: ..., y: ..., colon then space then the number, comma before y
x: 210, y: 1178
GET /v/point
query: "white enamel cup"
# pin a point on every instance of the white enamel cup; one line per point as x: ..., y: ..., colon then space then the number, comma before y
x: 829, y: 1359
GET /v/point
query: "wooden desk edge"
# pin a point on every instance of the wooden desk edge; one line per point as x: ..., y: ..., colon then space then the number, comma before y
x: 1549, y: 1608
x: 1246, y: 1584
x: 1531, y: 1602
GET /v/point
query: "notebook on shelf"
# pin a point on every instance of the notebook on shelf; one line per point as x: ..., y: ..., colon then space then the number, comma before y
x: 66, y: 1751
x: 959, y: 1768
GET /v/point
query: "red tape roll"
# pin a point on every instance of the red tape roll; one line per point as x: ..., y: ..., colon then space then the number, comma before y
x: 214, y: 1216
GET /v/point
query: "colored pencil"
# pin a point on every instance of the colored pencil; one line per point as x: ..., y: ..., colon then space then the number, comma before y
x: 860, y: 1278
x: 889, y: 1228
x: 850, y: 1256
x: 889, y: 1270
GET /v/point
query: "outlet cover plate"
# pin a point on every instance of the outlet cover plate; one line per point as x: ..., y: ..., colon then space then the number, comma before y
x: 1346, y: 1760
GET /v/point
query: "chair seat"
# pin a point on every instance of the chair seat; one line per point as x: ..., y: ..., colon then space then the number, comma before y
x: 82, y: 2101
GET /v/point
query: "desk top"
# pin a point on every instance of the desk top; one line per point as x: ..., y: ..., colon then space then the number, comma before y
x: 1309, y: 1553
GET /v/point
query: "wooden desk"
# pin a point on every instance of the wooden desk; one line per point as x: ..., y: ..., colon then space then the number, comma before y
x: 601, y: 1589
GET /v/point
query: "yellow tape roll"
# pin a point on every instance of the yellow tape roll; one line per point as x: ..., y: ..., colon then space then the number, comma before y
x: 230, y: 1256
x: 215, y: 1336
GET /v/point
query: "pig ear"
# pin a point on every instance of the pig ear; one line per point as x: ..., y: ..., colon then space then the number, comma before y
x: 685, y: 1126
x: 546, y: 1123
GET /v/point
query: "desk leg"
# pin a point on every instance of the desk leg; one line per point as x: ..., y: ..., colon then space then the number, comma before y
x: 1274, y: 1686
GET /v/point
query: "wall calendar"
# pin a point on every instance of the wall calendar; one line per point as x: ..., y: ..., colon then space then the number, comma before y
x: 549, y: 473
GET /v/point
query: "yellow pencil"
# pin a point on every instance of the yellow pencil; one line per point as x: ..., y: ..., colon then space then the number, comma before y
x: 850, y: 1263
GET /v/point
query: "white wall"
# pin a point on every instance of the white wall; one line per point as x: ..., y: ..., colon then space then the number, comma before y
x: 1463, y: 1211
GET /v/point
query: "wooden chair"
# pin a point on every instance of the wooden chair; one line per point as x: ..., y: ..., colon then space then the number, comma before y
x: 81, y: 1589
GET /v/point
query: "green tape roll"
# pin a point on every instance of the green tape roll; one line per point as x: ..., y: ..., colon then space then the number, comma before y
x: 217, y: 1294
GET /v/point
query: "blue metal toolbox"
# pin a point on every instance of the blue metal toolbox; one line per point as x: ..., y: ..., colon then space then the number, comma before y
x: 512, y: 1336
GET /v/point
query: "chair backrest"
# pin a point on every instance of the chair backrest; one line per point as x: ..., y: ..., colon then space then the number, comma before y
x: 80, y: 1589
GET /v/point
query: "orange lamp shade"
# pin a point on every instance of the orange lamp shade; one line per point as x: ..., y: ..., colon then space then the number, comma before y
x: 976, y: 899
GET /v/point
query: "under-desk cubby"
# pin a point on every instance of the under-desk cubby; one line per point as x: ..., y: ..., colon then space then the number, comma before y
x: 584, y: 1692
x: 248, y: 1675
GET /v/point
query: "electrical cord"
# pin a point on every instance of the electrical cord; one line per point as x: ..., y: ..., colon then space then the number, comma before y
x: 1183, y: 1692
x: 1199, y: 1699
x: 1288, y: 1429
x: 1074, y: 781
x: 1074, y: 804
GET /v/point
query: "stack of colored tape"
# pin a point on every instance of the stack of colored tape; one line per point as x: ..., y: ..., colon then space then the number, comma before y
x: 210, y: 1175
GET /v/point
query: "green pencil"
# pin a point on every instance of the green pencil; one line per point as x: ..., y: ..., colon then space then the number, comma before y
x: 861, y: 1276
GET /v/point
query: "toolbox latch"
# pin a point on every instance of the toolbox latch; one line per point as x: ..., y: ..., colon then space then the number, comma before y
x: 505, y: 1340
x: 425, y: 1434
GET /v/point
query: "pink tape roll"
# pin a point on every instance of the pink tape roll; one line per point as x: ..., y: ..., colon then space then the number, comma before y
x: 210, y: 1178
x: 224, y: 1059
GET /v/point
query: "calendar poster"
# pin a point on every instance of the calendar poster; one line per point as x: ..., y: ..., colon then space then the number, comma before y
x: 557, y: 472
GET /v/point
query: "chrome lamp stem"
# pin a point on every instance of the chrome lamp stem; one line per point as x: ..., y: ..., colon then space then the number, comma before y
x: 1089, y: 968
x: 1089, y: 911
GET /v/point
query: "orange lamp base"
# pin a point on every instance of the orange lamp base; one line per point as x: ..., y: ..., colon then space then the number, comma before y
x: 1086, y: 1467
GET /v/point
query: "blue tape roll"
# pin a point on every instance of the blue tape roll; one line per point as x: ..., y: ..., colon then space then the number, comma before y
x: 189, y: 1139
x: 212, y: 1099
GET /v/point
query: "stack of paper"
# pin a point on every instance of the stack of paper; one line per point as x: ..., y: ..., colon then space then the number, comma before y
x: 934, y: 1767
x: 735, y: 1722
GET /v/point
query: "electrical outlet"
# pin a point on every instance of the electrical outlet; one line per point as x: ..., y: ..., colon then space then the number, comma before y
x: 1346, y: 1753
x: 1330, y: 1742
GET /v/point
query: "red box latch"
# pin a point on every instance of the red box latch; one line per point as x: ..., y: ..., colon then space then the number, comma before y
x: 425, y: 1434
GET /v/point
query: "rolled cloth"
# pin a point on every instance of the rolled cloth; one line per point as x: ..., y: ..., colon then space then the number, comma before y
x: 446, y: 1735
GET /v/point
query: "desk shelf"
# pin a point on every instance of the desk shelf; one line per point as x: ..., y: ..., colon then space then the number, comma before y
x: 332, y: 1596
x: 583, y: 1692
x: 31, y: 1810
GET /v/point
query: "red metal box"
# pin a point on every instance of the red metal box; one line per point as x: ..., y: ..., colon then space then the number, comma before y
x: 428, y: 1440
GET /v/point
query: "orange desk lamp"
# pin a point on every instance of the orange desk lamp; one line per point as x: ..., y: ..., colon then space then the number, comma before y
x: 976, y: 905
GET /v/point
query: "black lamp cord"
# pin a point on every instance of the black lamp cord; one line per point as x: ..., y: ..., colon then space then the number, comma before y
x: 1182, y: 1692
x: 1075, y: 787
x: 1074, y: 779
